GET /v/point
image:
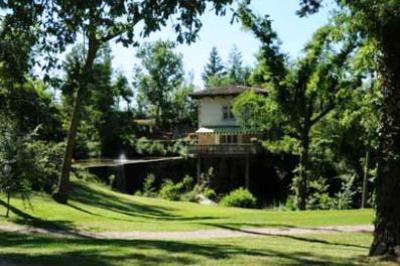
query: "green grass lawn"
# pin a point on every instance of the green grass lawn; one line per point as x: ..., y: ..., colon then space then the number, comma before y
x: 94, y: 207
x: 332, y: 249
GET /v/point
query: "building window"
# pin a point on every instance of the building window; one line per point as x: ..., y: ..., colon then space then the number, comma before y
x: 227, y: 113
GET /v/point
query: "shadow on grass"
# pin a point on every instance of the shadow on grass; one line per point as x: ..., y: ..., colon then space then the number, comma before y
x: 292, y: 237
x: 151, y: 252
x: 84, y: 196
x: 89, y: 196
x: 56, y: 226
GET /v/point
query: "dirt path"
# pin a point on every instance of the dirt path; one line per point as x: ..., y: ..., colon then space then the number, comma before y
x: 192, y: 235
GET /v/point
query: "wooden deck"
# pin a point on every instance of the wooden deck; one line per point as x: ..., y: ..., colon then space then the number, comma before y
x: 223, y: 149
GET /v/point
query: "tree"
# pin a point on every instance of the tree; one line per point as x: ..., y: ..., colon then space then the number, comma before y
x: 60, y: 22
x: 161, y: 75
x: 235, y: 70
x: 232, y: 74
x: 100, y: 131
x: 379, y: 22
x: 14, y: 161
x: 18, y: 87
x: 214, y: 67
x: 184, y: 107
x: 302, y: 93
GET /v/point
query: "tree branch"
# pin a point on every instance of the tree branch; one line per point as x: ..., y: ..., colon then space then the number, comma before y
x: 322, y: 114
x: 122, y: 29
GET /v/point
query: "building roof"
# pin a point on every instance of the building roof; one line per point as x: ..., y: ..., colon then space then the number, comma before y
x: 230, y: 90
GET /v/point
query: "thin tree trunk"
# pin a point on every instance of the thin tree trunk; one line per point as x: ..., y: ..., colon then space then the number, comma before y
x: 365, y: 180
x: 303, y: 173
x: 8, y: 204
x: 62, y: 192
x: 387, y: 222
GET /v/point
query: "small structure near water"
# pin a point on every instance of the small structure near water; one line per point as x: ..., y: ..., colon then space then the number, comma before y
x: 219, y: 134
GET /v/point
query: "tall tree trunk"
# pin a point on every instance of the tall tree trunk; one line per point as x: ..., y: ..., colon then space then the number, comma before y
x: 387, y: 223
x: 62, y: 192
x: 303, y: 171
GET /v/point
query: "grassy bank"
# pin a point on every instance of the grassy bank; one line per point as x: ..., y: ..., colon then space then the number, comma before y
x: 94, y: 207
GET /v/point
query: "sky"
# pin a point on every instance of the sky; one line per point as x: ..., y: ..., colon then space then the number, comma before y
x: 292, y: 30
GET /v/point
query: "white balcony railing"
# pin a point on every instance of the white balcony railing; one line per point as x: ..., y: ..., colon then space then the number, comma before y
x: 215, y: 149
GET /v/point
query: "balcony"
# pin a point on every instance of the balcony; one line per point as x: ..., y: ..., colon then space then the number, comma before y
x: 224, y: 149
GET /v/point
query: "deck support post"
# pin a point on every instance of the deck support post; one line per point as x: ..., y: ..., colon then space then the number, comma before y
x: 198, y: 169
x: 247, y: 172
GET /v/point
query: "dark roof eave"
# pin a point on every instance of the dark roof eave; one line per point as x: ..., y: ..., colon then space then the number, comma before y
x: 225, y: 91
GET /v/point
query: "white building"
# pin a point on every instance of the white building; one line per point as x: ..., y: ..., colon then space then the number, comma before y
x: 218, y: 132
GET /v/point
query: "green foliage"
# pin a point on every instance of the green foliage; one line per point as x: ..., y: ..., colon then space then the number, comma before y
x: 182, y: 191
x: 284, y: 145
x: 214, y: 69
x: 319, y: 198
x: 149, y: 189
x: 290, y: 204
x: 162, y: 73
x: 300, y: 94
x: 235, y: 70
x: 345, y: 197
x: 148, y: 147
x: 47, y: 164
x: 184, y: 107
x: 210, y: 193
x: 15, y: 161
x: 83, y: 173
x: 144, y: 146
x: 104, y: 127
x: 241, y: 198
x: 254, y: 111
x: 190, y: 196
x: 188, y: 183
x: 217, y: 75
x: 171, y: 191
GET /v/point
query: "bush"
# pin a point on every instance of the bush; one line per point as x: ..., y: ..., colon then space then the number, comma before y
x: 150, y: 148
x: 171, y: 191
x: 149, y: 189
x: 84, y: 174
x: 319, y: 198
x: 47, y: 164
x: 239, y: 198
x: 291, y: 203
x: 344, y: 198
x: 210, y: 194
x: 191, y: 196
x: 16, y: 161
x: 187, y: 183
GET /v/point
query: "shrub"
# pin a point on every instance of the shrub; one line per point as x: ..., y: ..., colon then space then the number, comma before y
x: 319, y: 198
x: 344, y: 198
x: 16, y: 161
x: 47, y: 164
x: 239, y: 198
x: 187, y: 183
x: 191, y: 196
x: 171, y: 191
x: 210, y: 194
x: 150, y: 148
x: 149, y: 189
x: 84, y: 174
x: 291, y: 203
